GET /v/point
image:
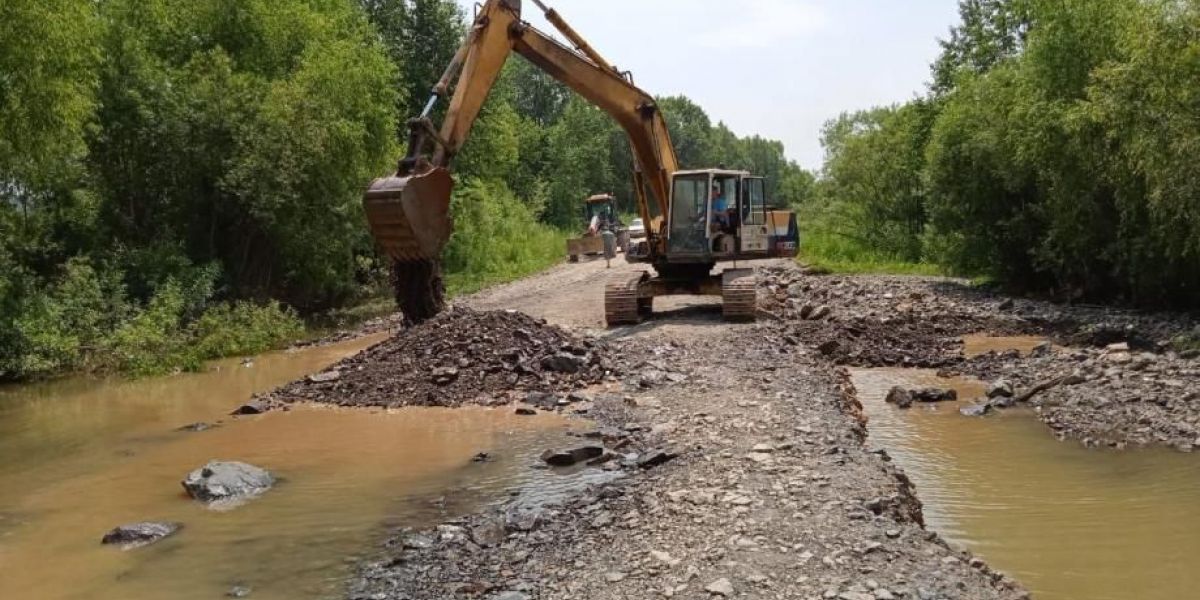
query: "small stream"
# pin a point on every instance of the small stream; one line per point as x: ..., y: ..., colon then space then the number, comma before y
x: 1068, y: 522
x: 80, y: 457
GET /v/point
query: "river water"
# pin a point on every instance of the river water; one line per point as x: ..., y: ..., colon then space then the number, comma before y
x: 1070, y: 523
x: 79, y: 457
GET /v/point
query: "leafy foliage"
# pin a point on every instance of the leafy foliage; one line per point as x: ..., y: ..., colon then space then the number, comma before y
x: 180, y: 179
x: 1053, y: 153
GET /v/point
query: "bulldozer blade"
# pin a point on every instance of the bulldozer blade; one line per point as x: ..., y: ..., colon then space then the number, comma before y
x: 410, y: 216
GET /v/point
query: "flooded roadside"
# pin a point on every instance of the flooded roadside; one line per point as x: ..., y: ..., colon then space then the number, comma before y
x: 80, y: 457
x: 1067, y: 521
x: 980, y: 344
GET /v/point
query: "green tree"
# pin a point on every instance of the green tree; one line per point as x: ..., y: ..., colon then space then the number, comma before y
x: 48, y: 54
x: 421, y: 37
x: 873, y: 172
x: 243, y: 133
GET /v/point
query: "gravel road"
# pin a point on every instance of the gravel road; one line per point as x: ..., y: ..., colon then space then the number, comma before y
x: 740, y: 472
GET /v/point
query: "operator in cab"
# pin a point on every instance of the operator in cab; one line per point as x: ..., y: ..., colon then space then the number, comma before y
x: 720, y: 210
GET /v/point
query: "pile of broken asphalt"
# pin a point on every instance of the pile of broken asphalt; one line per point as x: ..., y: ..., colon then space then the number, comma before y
x: 461, y: 357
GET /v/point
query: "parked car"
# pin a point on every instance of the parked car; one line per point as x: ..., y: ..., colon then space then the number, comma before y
x: 637, y: 230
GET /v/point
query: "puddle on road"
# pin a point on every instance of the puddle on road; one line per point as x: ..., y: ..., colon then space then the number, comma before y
x: 980, y: 344
x: 78, y: 458
x: 1068, y: 522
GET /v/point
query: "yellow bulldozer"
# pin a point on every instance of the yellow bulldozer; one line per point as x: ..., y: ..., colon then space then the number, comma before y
x: 694, y: 219
x: 599, y: 215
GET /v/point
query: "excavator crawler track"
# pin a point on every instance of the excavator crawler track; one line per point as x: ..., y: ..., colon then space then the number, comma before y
x: 621, y: 303
x: 739, y: 300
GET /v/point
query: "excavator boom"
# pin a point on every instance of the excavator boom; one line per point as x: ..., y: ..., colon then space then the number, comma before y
x: 409, y: 212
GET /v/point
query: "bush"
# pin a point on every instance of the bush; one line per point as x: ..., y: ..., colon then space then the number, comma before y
x: 496, y: 238
x: 151, y: 343
x: 240, y: 328
x: 84, y: 320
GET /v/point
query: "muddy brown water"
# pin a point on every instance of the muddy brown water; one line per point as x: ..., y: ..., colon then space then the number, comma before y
x: 1068, y: 522
x: 80, y: 457
x: 977, y: 345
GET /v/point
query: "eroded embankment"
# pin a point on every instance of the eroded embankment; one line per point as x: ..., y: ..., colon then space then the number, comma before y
x: 1113, y: 377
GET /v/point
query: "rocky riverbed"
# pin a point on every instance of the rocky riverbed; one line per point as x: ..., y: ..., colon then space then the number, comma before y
x: 1112, y: 377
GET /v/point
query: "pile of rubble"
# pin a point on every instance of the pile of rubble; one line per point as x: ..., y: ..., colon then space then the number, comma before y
x: 460, y: 357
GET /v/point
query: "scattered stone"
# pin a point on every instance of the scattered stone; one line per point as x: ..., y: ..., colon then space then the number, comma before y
x: 901, y: 397
x: 1119, y: 358
x: 830, y: 347
x: 932, y: 395
x: 196, y: 427
x: 238, y: 591
x: 511, y: 595
x: 721, y: 587
x: 541, y: 400
x: 444, y: 375
x: 976, y: 410
x: 571, y: 456
x: 655, y: 458
x: 326, y: 376
x: 526, y: 411
x: 564, y: 362
x: 614, y: 577
x: 1001, y: 388
x: 254, y: 407
x: 489, y: 533
x: 136, y: 535
x: 227, y: 482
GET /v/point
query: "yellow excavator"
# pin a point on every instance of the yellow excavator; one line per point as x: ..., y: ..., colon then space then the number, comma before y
x: 694, y: 219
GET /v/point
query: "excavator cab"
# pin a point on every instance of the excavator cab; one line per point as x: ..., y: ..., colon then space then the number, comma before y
x: 716, y: 215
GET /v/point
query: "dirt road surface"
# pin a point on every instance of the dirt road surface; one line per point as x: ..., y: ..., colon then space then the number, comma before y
x: 750, y: 479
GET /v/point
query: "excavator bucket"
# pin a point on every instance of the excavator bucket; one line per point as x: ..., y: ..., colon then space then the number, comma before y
x: 410, y: 216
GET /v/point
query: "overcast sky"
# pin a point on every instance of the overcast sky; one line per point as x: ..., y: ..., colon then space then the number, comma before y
x: 777, y: 68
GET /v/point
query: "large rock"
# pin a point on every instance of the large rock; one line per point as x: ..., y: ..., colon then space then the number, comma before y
x: 976, y: 410
x: 136, y: 535
x: 901, y: 397
x: 571, y: 456
x: 564, y: 362
x: 227, y: 482
x: 655, y: 458
x: 935, y: 395
x: 1001, y: 388
x: 253, y: 407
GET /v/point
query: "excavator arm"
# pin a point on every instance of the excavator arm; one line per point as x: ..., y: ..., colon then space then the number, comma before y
x: 409, y: 212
